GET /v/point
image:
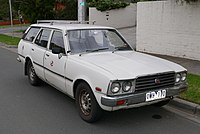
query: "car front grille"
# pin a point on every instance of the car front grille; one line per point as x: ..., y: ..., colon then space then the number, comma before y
x: 157, y: 81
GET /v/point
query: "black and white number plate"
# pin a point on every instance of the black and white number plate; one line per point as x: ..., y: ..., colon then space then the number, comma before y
x: 155, y: 95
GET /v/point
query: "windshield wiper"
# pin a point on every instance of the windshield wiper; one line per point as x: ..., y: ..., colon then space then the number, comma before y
x: 121, y: 48
x: 96, y: 50
x: 93, y: 50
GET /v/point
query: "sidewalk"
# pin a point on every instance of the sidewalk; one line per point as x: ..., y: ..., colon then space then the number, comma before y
x: 193, y: 66
x: 130, y: 35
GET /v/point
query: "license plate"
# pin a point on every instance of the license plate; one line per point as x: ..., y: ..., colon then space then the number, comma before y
x: 155, y: 95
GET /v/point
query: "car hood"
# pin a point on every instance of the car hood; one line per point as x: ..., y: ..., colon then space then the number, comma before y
x: 130, y: 64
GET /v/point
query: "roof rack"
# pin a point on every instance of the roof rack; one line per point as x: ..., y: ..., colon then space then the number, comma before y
x: 65, y: 22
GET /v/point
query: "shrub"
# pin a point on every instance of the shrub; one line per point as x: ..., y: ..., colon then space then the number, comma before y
x: 104, y: 5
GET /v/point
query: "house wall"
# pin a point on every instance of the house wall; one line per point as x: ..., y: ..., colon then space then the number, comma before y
x: 118, y: 18
x: 169, y: 28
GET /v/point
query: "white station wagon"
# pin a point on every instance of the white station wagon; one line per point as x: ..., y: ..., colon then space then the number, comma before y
x: 97, y: 67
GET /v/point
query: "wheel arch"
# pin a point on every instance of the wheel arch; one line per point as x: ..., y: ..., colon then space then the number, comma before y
x: 91, y: 104
x: 28, y: 59
x: 76, y: 83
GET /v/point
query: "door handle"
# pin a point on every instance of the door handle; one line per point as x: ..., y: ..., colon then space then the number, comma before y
x: 32, y: 49
x: 47, y: 55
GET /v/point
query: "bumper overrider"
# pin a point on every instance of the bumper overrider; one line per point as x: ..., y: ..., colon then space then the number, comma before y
x: 137, y: 98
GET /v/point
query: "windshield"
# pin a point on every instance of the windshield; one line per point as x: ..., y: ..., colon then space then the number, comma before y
x: 96, y: 40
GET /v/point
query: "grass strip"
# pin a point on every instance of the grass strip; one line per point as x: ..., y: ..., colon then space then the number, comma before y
x: 9, y: 40
x: 193, y: 92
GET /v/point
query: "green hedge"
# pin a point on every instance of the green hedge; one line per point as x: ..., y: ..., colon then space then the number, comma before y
x: 104, y: 5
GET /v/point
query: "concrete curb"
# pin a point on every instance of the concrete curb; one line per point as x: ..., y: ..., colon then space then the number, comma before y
x: 8, y: 47
x: 186, y: 106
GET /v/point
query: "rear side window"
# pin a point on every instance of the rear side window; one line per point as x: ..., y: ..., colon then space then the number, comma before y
x: 42, y: 38
x: 31, y: 34
x: 57, y: 41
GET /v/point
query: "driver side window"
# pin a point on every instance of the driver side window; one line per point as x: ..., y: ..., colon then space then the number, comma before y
x: 57, y: 41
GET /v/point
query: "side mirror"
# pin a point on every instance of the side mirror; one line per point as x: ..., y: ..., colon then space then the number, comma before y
x: 56, y: 50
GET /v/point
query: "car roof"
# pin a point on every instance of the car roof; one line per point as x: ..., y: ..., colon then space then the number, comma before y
x: 67, y: 27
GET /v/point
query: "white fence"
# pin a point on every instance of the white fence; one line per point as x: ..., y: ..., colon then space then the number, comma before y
x: 169, y: 28
x: 118, y: 18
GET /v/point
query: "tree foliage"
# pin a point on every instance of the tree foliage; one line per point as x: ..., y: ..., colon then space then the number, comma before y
x: 4, y: 10
x: 35, y: 9
x: 103, y: 5
x: 69, y: 12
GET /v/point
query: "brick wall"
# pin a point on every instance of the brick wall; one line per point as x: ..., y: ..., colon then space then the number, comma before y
x: 169, y: 28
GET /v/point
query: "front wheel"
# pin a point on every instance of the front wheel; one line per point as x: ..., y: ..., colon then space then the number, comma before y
x: 86, y: 103
x: 32, y: 77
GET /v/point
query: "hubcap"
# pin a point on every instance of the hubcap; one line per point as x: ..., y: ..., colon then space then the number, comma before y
x: 32, y: 73
x: 85, y: 102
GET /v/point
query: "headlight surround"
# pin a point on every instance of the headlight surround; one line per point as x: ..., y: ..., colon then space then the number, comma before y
x: 115, y: 87
x: 183, y: 76
x: 121, y: 87
x: 178, y: 77
x: 126, y: 86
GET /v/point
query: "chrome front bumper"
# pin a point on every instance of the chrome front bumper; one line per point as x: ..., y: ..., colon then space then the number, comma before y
x: 138, y: 98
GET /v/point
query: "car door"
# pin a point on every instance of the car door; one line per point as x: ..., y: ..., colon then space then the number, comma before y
x: 38, y: 50
x: 26, y: 43
x: 54, y: 63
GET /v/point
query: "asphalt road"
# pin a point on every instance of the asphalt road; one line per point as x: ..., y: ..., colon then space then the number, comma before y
x: 25, y: 109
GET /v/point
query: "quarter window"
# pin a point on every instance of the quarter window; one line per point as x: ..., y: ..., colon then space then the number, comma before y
x: 57, y: 41
x: 31, y: 34
x: 42, y: 38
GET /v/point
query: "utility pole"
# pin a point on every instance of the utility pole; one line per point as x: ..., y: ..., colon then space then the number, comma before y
x: 81, y: 10
x: 11, y: 19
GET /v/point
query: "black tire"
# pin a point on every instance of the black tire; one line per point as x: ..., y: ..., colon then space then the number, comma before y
x: 161, y: 103
x: 32, y: 77
x: 88, y: 108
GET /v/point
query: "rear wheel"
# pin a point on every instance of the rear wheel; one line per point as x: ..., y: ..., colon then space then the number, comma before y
x: 32, y: 77
x: 86, y: 103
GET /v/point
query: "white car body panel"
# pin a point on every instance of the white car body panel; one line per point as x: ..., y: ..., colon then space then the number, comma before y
x: 114, y: 66
x: 37, y: 54
x: 52, y: 65
x: 98, y: 69
x: 129, y: 64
